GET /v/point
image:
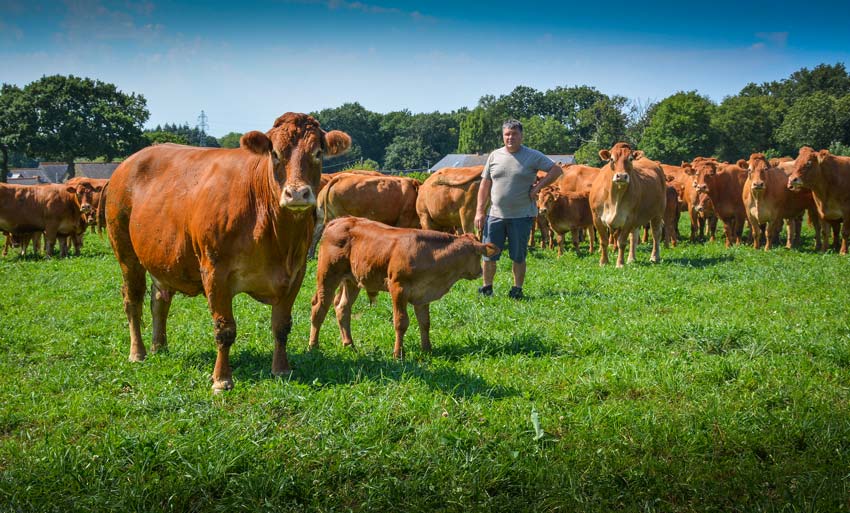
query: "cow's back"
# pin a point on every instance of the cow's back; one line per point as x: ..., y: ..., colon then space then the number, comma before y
x: 448, y: 198
x: 387, y: 199
x: 577, y: 178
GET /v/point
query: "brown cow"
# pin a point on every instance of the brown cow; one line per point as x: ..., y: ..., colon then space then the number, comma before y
x: 577, y: 178
x: 327, y: 177
x: 52, y: 208
x: 415, y: 266
x: 387, y: 199
x: 703, y: 209
x: 88, y: 191
x: 828, y: 177
x: 628, y: 192
x: 219, y: 222
x: 566, y: 212
x: 671, y: 217
x: 769, y: 201
x: 447, y: 199
x: 724, y: 184
x: 22, y: 241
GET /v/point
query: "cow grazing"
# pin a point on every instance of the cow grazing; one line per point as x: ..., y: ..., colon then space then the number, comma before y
x: 724, y: 184
x: 566, y: 213
x: 628, y: 192
x: 53, y: 209
x: 769, y: 201
x: 828, y: 177
x: 415, y: 266
x: 219, y: 222
x: 447, y: 199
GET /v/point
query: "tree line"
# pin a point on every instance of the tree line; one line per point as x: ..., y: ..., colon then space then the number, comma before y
x: 66, y: 118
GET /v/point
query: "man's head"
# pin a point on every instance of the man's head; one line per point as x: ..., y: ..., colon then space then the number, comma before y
x: 512, y: 135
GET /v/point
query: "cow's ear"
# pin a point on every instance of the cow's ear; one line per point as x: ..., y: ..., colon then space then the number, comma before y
x: 336, y: 142
x: 638, y: 154
x: 688, y: 169
x: 70, y: 189
x: 98, y: 188
x: 742, y: 163
x: 605, y: 155
x: 822, y: 154
x: 256, y: 142
x: 669, y: 178
x: 489, y: 249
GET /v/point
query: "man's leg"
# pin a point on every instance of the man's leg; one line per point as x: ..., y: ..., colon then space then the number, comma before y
x: 519, y: 273
x: 494, y: 232
x: 488, y: 268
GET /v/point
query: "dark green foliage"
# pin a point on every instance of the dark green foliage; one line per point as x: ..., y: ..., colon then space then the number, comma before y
x: 80, y: 117
x: 16, y: 120
x: 716, y: 381
x: 812, y: 121
x: 182, y: 134
x: 362, y: 125
x: 545, y: 134
x: 746, y: 125
x: 230, y: 140
x: 680, y: 129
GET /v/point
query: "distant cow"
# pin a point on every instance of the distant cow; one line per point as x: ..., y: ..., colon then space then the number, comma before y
x: 219, y: 222
x: 415, y: 266
x: 671, y: 217
x: 52, y: 208
x: 703, y: 216
x: 447, y: 199
x: 568, y: 212
x: 769, y: 201
x: 327, y: 177
x: 627, y: 193
x: 577, y: 178
x: 724, y: 184
x: 88, y: 191
x: 22, y: 241
x: 828, y: 177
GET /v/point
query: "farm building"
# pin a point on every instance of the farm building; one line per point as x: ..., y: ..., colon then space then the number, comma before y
x: 54, y: 172
x: 479, y: 159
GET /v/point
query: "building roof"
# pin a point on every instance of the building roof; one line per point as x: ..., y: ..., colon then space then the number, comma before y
x: 475, y: 159
x: 96, y: 169
x: 54, y: 172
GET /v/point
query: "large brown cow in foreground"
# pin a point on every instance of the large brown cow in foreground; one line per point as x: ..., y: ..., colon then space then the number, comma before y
x: 769, y: 201
x: 628, y: 192
x: 219, y: 222
x: 828, y: 177
x: 415, y: 266
x: 447, y: 199
x: 52, y: 209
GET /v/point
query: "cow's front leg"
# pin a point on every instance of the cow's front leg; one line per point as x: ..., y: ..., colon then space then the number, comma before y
x: 224, y: 327
x: 423, y: 317
x: 282, y: 325
x: 603, y: 243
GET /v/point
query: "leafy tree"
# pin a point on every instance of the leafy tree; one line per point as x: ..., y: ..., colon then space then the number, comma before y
x: 588, y: 154
x: 603, y: 123
x: 479, y: 132
x: 230, y: 140
x: 407, y: 152
x: 545, y: 134
x: 369, y: 164
x: 80, y: 117
x: 824, y: 78
x: 362, y: 125
x: 522, y: 102
x: 162, y: 136
x: 184, y: 134
x: 15, y: 122
x: 680, y: 129
x: 746, y: 125
x: 638, y: 117
x: 811, y: 121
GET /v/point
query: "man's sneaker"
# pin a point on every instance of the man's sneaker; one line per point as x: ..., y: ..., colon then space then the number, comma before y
x: 516, y: 293
x: 486, y: 290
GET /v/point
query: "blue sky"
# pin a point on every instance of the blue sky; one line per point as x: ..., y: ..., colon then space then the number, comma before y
x: 246, y: 62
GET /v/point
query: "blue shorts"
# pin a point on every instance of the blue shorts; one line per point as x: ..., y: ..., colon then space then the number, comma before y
x: 517, y: 230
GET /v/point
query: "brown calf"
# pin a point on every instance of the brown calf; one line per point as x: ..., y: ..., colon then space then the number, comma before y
x: 415, y: 266
x: 567, y: 212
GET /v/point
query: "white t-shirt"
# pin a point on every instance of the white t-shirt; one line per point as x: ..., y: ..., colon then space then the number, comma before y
x: 513, y: 175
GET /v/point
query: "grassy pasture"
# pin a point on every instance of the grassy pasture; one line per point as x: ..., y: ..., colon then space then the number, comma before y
x: 715, y: 381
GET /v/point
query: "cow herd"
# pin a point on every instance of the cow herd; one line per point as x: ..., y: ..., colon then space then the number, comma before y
x: 220, y: 222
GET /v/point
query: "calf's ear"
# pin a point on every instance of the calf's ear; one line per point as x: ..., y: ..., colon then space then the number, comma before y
x: 605, y: 155
x: 638, y: 154
x: 256, y: 142
x: 822, y: 154
x: 489, y: 249
x: 336, y: 142
x: 742, y: 163
x: 98, y: 188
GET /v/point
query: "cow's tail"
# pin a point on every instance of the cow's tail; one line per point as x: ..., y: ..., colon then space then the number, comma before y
x: 321, y: 217
x: 458, y: 182
x: 101, y: 210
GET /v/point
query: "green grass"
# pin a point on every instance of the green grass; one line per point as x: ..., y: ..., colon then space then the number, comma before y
x: 715, y: 381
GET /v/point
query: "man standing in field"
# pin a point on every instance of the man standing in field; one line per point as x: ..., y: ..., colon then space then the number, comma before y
x: 508, y: 184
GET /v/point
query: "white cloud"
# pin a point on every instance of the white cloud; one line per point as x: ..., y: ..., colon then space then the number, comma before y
x: 779, y: 39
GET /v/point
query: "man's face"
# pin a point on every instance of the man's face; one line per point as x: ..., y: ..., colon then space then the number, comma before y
x: 512, y: 138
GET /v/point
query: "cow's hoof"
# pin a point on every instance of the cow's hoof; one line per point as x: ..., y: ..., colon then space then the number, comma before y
x: 282, y: 373
x: 159, y: 349
x: 222, y: 385
x: 137, y: 357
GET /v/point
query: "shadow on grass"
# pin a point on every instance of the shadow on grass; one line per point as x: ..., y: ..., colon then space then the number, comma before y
x: 326, y: 369
x: 699, y: 262
x: 524, y: 344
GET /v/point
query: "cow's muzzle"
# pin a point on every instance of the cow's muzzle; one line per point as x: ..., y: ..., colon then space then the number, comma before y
x: 297, y: 197
x: 622, y: 178
x: 758, y: 186
x: 795, y: 184
x: 85, y: 209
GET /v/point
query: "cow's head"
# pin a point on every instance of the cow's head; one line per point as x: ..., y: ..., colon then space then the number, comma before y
x: 757, y: 168
x: 620, y: 159
x: 470, y: 266
x: 806, y: 168
x: 546, y: 198
x: 86, y: 196
x: 704, y: 171
x: 703, y: 206
x: 296, y: 145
